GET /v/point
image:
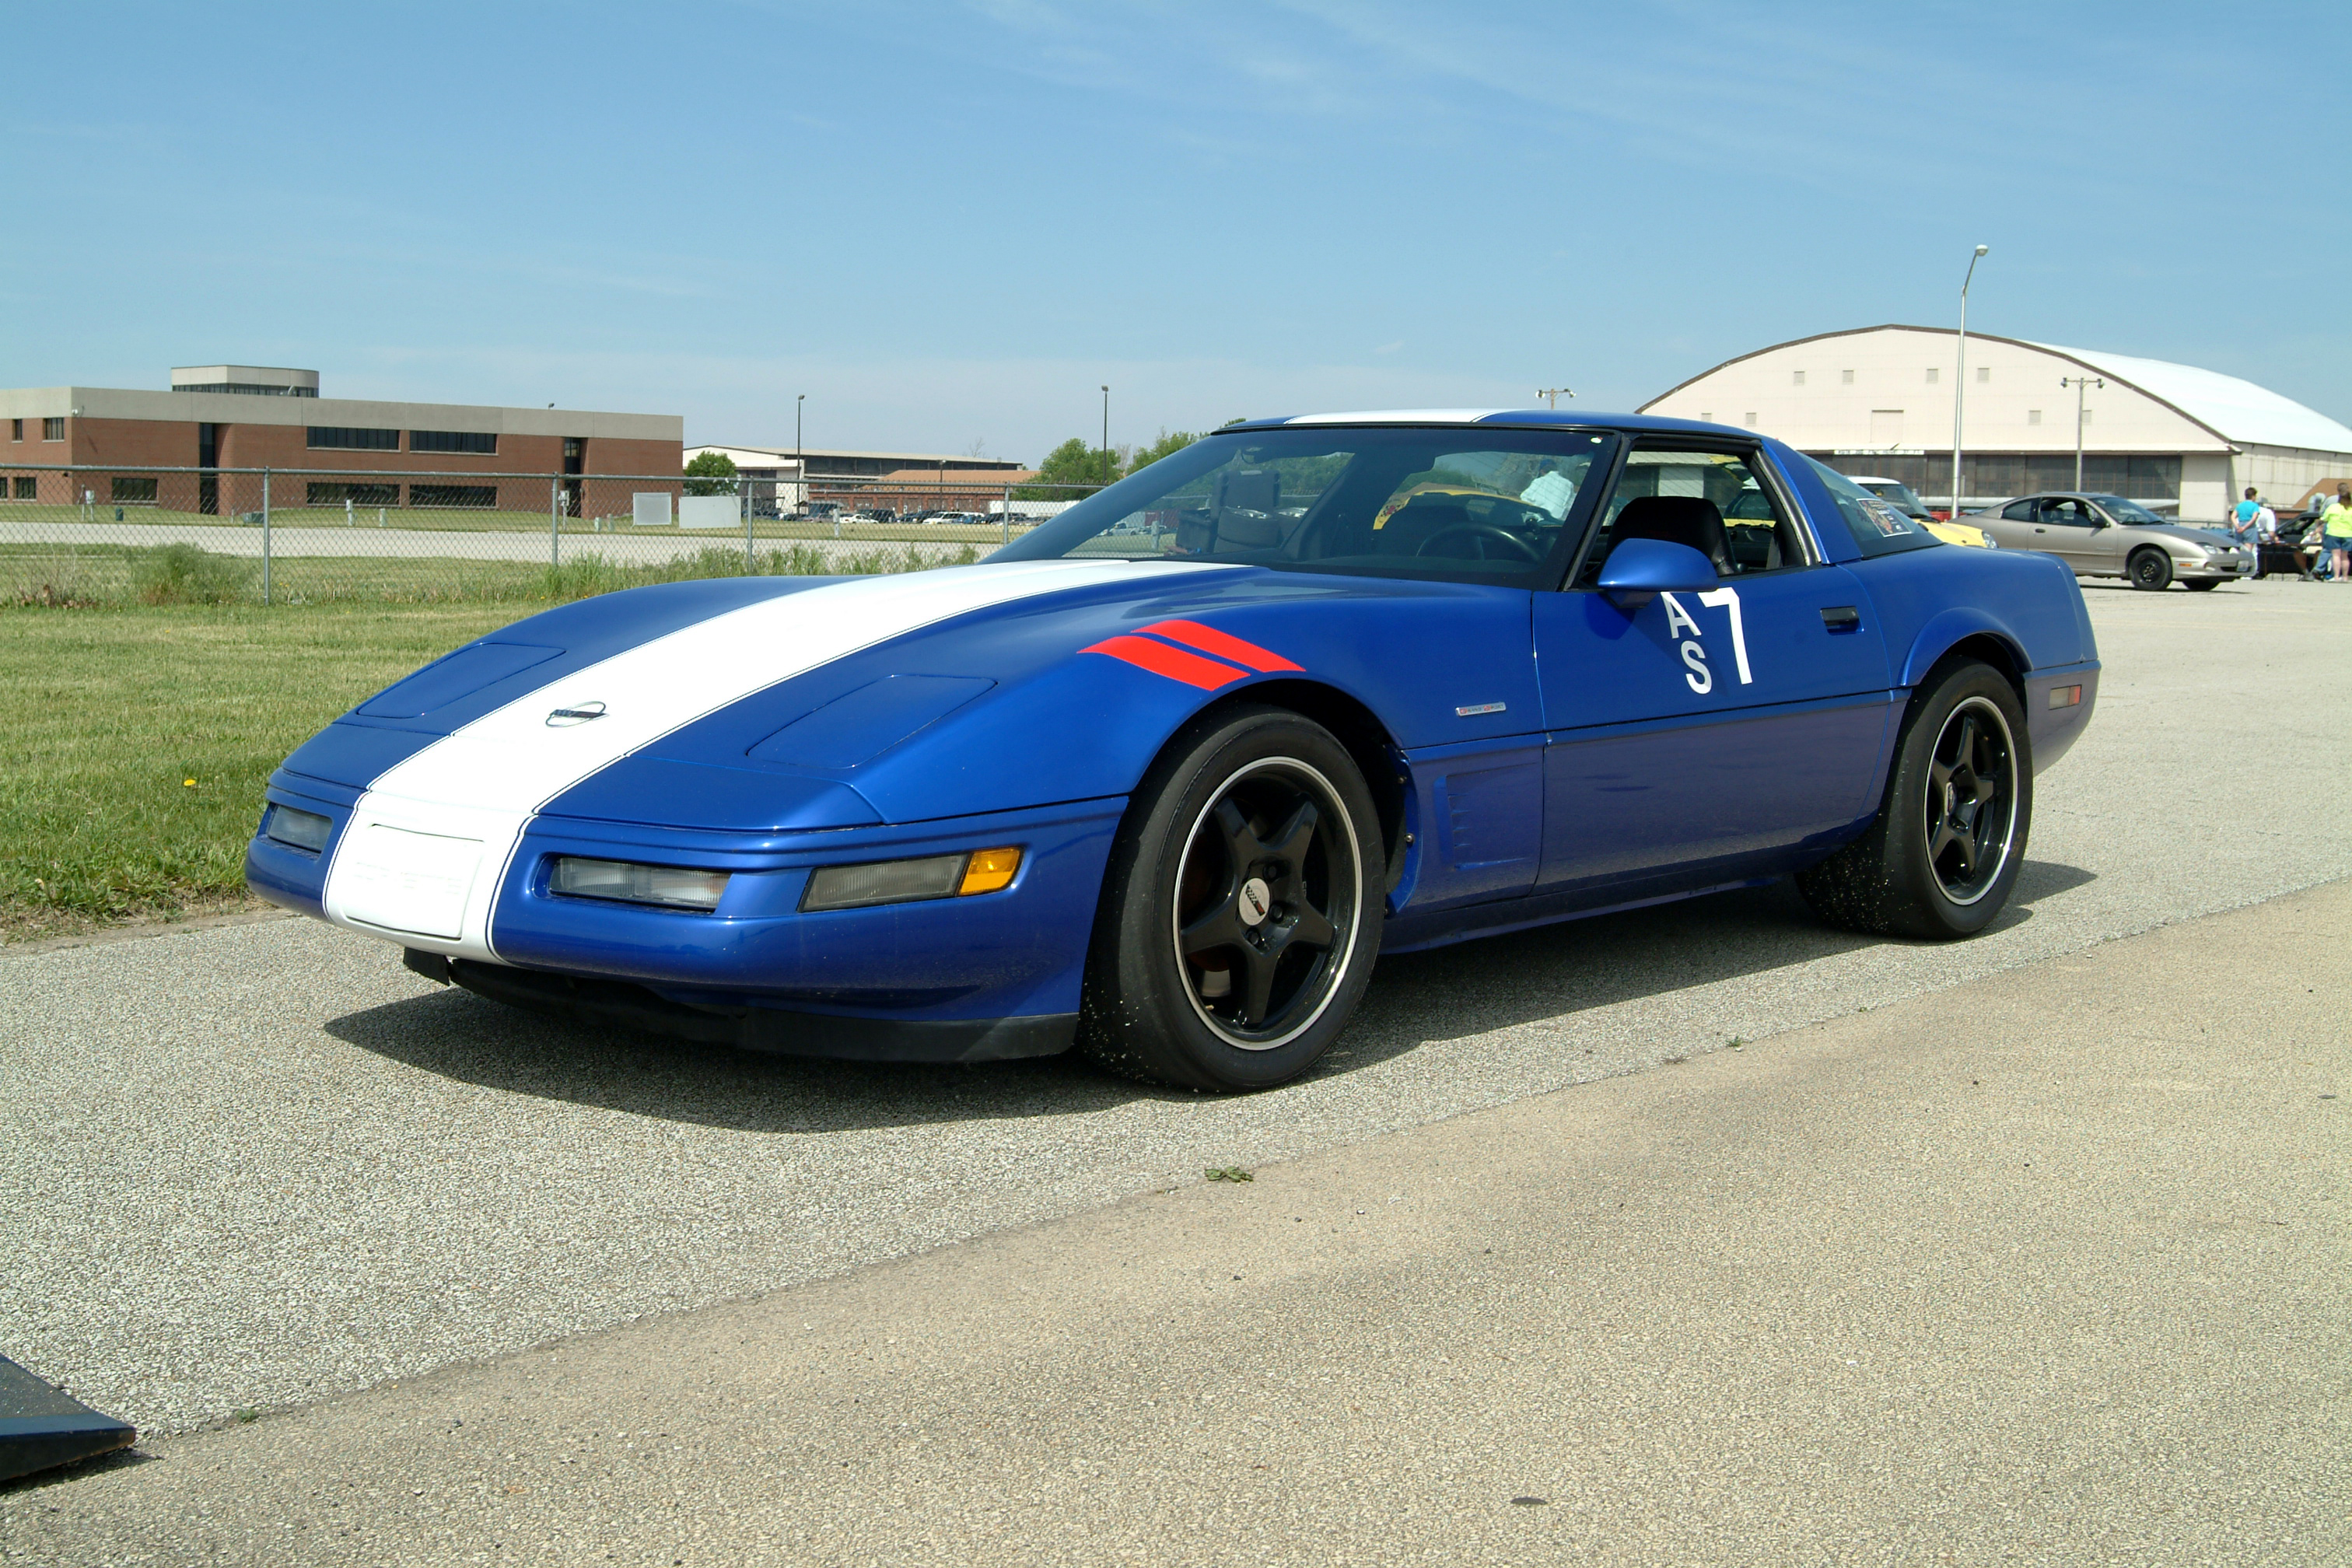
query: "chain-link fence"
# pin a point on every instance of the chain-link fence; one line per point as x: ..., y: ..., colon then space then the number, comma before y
x: 86, y: 535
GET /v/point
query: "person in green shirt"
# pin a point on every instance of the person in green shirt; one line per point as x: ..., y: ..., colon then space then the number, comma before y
x: 2335, y: 526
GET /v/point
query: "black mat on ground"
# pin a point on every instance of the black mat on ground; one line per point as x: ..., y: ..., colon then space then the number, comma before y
x: 41, y: 1428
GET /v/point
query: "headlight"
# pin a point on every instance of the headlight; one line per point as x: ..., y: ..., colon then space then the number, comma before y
x: 625, y: 881
x: 910, y: 882
x: 298, y: 829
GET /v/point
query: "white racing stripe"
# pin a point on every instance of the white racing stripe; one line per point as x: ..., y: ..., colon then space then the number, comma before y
x: 400, y: 871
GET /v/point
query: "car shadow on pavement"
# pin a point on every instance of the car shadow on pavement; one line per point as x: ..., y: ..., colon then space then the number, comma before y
x: 1555, y: 971
x: 1494, y: 984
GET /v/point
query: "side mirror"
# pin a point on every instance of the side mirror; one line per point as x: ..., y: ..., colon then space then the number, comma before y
x: 1638, y: 570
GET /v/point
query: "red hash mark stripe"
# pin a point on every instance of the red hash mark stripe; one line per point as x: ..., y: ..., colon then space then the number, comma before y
x: 1172, y: 662
x: 1208, y: 640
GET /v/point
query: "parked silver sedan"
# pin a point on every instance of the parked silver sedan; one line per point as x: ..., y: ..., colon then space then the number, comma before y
x: 2108, y: 536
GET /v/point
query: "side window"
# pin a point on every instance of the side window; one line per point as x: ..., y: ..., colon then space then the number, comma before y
x: 2073, y: 513
x: 1711, y: 501
x: 1877, y: 527
x: 2019, y: 512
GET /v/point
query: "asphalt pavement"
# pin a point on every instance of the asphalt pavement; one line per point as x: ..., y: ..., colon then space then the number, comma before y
x: 252, y: 1167
x: 2044, y: 1268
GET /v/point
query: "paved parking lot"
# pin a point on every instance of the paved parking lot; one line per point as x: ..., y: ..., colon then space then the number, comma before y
x: 256, y: 1165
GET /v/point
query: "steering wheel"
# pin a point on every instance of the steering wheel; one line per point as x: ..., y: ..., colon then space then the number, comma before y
x: 1517, y: 548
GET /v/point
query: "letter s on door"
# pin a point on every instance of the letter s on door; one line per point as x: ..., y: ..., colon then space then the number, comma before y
x: 1701, y: 679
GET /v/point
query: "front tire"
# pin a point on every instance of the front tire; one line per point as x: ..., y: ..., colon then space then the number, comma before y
x: 2150, y: 569
x: 1242, y: 909
x: 1942, y: 855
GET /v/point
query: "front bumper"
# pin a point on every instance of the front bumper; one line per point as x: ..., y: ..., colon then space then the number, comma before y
x: 957, y: 979
x: 2226, y: 567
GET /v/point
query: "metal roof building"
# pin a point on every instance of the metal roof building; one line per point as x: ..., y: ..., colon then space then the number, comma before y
x: 1880, y: 400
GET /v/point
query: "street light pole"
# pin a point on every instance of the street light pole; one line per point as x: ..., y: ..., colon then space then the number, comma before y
x: 1106, y: 444
x: 800, y: 453
x: 1960, y: 388
x: 2081, y: 384
x: 1555, y: 394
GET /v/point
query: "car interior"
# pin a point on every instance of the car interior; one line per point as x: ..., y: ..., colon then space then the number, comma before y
x: 1429, y: 504
x: 1711, y: 502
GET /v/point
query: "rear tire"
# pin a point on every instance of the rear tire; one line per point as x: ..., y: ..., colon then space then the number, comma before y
x: 1941, y: 858
x: 1242, y: 909
x: 2149, y: 568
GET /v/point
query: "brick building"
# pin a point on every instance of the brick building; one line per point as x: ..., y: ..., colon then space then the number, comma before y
x: 251, y: 416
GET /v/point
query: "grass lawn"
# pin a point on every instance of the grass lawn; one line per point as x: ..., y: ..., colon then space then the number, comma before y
x: 110, y: 712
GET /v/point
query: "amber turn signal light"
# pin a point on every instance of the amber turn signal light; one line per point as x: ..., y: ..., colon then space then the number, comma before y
x: 989, y: 871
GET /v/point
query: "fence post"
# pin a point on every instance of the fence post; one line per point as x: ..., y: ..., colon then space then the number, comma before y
x: 1004, y: 522
x: 265, y: 536
x: 554, y: 522
x: 743, y: 505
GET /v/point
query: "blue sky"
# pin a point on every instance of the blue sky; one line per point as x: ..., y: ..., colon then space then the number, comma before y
x: 949, y: 225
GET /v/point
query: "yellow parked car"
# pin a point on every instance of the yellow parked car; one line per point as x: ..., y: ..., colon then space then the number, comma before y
x: 1904, y: 500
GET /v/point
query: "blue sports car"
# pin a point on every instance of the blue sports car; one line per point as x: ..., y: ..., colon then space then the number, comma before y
x: 1163, y: 779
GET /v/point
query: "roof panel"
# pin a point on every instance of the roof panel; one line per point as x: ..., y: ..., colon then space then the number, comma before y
x: 2238, y: 409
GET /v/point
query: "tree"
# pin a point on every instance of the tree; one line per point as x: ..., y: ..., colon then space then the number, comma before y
x: 1167, y: 446
x: 1073, y: 463
x: 711, y: 474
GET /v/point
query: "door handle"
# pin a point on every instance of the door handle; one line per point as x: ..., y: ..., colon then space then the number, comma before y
x: 1842, y: 618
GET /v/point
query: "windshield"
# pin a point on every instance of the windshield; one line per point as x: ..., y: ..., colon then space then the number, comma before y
x: 1464, y: 503
x: 2124, y: 511
x: 1905, y: 501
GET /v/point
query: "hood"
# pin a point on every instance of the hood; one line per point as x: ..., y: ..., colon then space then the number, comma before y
x: 2207, y: 536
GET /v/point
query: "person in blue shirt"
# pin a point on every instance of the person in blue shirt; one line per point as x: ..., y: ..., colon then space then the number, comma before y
x: 2241, y: 519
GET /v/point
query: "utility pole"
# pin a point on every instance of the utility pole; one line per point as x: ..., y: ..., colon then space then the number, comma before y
x: 1555, y: 394
x: 2081, y: 384
x: 1106, y: 442
x: 800, y: 453
x: 1960, y: 389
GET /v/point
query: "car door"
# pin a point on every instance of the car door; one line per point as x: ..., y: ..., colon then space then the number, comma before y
x: 1705, y: 737
x: 2071, y: 530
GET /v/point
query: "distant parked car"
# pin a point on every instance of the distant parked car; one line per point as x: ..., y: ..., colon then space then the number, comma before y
x: 2108, y: 536
x: 1904, y: 500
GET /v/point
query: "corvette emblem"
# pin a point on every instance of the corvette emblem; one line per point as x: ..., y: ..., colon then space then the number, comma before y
x: 579, y: 713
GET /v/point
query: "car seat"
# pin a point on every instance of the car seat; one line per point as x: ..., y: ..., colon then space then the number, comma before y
x: 1690, y: 520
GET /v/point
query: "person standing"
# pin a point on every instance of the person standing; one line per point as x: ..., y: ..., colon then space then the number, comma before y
x: 2241, y: 519
x: 2265, y: 532
x: 2335, y: 530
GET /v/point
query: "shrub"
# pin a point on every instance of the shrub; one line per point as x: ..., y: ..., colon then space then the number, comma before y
x: 185, y: 574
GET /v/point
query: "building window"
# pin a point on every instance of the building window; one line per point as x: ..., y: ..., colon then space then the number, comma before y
x: 27, y: 487
x: 2034, y: 416
x: 1748, y: 419
x: 1984, y: 373
x: 1796, y: 378
x: 134, y: 490
x: 53, y: 429
x: 1845, y: 377
x: 1934, y: 375
x: 334, y: 494
x: 484, y: 496
x: 15, y: 429
x: 344, y: 438
x: 479, y: 443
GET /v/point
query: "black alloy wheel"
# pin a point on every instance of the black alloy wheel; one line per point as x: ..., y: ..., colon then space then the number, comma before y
x: 2149, y: 568
x: 1942, y: 856
x: 1241, y: 910
x: 1970, y: 813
